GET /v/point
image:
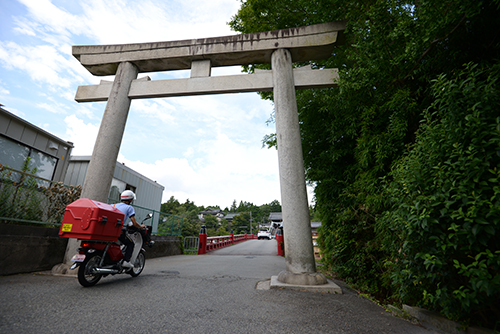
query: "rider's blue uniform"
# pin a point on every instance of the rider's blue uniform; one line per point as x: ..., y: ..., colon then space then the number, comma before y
x: 128, y: 211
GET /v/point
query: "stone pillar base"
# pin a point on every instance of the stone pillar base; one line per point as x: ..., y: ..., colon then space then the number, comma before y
x: 302, y: 278
x: 62, y: 269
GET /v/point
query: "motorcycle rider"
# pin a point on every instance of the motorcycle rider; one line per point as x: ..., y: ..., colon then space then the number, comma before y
x: 127, y: 197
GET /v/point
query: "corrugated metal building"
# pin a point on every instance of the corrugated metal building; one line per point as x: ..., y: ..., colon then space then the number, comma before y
x: 51, y: 156
x: 148, y: 192
x: 20, y: 139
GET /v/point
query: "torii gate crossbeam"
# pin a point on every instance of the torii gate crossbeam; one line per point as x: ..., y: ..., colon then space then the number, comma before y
x: 280, y: 48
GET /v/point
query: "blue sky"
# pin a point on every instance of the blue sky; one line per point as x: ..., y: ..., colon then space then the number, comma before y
x: 206, y: 149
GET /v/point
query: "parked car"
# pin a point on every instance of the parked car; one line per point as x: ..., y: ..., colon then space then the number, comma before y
x: 264, y: 234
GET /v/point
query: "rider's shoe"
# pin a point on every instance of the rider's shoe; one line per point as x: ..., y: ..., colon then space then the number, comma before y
x: 127, y: 264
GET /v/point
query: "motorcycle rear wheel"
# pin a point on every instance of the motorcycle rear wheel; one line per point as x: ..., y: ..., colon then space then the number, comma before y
x: 86, y: 277
x: 139, y: 264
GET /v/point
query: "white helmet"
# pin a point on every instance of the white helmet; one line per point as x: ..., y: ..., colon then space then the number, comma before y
x: 127, y: 195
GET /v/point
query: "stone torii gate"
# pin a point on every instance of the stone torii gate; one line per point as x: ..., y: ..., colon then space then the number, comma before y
x: 280, y: 48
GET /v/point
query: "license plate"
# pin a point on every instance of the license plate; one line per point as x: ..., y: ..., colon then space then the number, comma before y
x: 67, y: 227
x: 78, y: 258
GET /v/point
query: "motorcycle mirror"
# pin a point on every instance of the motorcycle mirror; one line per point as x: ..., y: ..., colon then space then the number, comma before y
x: 148, y: 216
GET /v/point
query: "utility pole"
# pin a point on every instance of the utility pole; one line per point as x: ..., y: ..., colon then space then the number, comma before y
x: 251, y: 222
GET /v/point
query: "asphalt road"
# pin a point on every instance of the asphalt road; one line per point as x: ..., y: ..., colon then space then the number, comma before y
x: 189, y: 294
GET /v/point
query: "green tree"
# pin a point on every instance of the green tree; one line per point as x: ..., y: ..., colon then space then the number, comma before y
x: 266, y: 209
x: 275, y: 206
x: 191, y: 224
x: 259, y: 214
x: 222, y: 231
x: 189, y: 206
x: 233, y: 207
x: 353, y: 134
x: 241, y: 223
x: 170, y: 206
x: 211, y: 222
x: 188, y: 211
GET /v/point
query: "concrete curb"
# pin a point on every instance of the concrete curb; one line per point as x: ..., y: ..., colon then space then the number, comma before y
x: 330, y: 287
x: 434, y: 320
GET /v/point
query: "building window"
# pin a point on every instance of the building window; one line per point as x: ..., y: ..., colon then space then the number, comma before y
x: 14, y: 154
x: 117, y: 187
x: 45, y: 164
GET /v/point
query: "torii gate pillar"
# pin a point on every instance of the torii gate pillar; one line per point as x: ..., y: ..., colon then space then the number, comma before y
x: 102, y: 164
x: 299, y: 252
x: 280, y: 48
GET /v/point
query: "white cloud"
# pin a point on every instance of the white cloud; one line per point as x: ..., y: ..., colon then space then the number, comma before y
x: 155, y: 109
x: 117, y: 22
x: 83, y: 136
x: 43, y: 63
x: 3, y: 91
x: 48, y: 107
x: 189, y: 152
x: 23, y: 27
x: 52, y: 23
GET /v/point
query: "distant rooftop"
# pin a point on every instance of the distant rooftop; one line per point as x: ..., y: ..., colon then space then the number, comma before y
x: 275, y: 216
x: 231, y: 215
x: 315, y: 224
x: 211, y: 211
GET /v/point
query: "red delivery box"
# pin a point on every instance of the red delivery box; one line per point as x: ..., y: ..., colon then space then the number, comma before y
x: 92, y: 220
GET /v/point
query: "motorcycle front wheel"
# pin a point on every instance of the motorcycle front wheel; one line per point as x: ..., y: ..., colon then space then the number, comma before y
x: 138, y: 265
x: 86, y: 275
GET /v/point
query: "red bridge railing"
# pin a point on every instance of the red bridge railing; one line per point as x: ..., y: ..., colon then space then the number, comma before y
x: 207, y: 244
x: 281, y: 242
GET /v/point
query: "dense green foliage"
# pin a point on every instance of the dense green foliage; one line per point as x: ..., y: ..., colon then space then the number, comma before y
x: 403, y: 217
x: 249, y: 213
x: 446, y: 196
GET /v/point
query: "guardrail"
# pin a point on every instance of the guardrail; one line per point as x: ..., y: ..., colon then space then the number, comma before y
x: 207, y: 244
x: 163, y: 223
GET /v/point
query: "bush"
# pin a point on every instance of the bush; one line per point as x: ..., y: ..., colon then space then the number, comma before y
x: 443, y: 230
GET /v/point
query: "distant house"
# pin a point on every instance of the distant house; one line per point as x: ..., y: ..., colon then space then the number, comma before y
x: 210, y: 211
x: 314, y: 227
x: 314, y: 231
x: 275, y: 219
x: 230, y: 216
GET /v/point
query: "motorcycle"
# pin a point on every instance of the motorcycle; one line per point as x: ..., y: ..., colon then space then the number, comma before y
x: 97, y: 259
